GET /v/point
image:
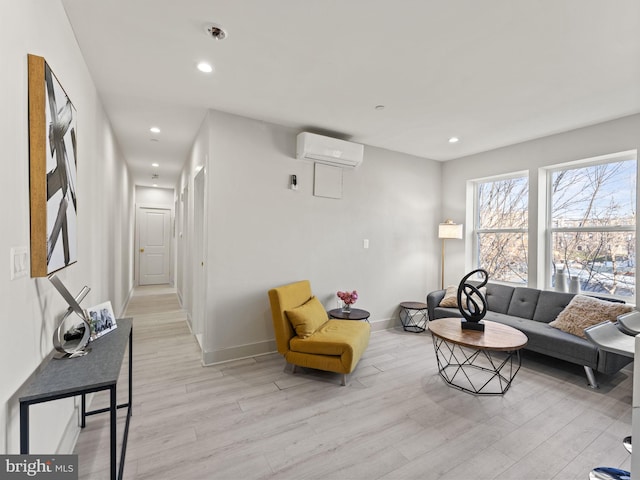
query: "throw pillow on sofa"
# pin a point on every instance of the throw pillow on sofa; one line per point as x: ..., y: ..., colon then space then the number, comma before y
x: 308, y: 317
x: 450, y: 299
x: 584, y: 311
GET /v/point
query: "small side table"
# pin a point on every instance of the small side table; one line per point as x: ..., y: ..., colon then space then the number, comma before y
x: 354, y: 314
x: 413, y: 316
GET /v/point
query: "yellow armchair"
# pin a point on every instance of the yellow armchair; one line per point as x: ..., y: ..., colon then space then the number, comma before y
x: 306, y: 337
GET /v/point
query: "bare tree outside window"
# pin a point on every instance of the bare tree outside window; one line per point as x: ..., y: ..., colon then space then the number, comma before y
x: 593, y: 234
x: 501, y: 227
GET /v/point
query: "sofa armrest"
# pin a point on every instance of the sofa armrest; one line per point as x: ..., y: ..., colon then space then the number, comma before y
x: 433, y: 300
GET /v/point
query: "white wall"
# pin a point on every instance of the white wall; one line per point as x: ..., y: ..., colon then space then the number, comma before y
x: 260, y: 234
x: 610, y: 137
x: 30, y: 307
x: 146, y: 196
x: 185, y: 269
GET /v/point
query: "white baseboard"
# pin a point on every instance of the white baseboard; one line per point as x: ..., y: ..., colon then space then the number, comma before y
x: 179, y: 294
x: 385, y: 324
x: 238, y: 352
x: 262, y: 348
x: 126, y: 304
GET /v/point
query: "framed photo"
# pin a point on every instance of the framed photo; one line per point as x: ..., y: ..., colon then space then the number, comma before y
x: 101, y: 319
x: 52, y: 171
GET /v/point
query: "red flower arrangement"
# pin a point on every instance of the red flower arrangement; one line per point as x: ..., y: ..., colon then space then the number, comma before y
x: 348, y: 298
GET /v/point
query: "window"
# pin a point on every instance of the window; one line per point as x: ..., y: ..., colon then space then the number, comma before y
x: 501, y: 228
x: 592, y: 230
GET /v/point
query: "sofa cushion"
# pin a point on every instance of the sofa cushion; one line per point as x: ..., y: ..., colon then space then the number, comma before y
x: 450, y: 299
x: 550, y: 304
x: 584, y: 311
x: 446, y: 312
x: 499, y: 297
x: 308, y: 317
x: 523, y: 302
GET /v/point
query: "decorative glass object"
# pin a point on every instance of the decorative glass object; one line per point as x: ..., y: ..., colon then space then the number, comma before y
x: 574, y: 285
x: 561, y: 281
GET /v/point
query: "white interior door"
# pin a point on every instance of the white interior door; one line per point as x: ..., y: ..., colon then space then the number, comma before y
x: 154, y: 230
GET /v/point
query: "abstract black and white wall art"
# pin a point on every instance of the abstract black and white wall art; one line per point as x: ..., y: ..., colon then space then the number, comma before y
x: 52, y: 161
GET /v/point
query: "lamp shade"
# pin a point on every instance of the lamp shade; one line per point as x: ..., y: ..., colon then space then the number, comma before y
x: 449, y: 229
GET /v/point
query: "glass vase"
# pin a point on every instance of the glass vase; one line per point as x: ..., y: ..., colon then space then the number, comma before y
x: 346, y: 308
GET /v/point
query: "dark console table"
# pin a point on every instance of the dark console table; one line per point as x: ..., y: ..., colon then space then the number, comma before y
x: 69, y: 377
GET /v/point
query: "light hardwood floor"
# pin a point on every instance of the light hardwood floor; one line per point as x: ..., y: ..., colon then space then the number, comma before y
x: 248, y: 419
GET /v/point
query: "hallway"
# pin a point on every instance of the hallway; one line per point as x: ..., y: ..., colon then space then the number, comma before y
x: 163, y: 351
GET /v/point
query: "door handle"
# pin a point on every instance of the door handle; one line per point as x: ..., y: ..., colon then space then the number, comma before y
x: 142, y: 250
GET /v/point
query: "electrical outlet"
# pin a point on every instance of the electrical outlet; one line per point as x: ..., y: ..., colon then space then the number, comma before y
x: 365, y: 243
x: 19, y: 262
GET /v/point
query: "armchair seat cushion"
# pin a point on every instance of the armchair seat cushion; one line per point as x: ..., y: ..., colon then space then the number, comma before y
x: 335, y: 337
x: 336, y: 346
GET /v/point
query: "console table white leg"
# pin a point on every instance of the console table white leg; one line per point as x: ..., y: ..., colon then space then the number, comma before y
x: 635, y: 412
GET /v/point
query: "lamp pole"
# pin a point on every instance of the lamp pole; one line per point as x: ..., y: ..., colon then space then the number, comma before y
x: 442, y: 268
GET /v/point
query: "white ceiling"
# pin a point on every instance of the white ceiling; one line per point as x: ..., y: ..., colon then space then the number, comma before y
x: 492, y: 72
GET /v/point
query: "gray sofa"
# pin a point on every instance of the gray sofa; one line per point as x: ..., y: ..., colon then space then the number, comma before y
x: 530, y: 311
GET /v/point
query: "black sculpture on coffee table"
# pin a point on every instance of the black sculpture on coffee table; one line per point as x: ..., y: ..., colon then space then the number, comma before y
x: 474, y: 307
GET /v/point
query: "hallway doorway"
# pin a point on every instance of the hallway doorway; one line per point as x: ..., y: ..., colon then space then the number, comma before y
x: 154, y: 245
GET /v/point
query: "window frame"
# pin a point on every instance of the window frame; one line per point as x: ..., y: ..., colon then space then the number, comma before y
x: 477, y: 231
x: 549, y: 229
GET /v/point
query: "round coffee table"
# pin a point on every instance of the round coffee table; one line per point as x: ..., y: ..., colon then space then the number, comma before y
x: 477, y: 362
x: 354, y: 314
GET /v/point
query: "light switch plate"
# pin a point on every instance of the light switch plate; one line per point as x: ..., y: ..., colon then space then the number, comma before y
x: 19, y: 262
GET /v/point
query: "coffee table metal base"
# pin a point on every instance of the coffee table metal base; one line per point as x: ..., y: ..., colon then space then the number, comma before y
x: 476, y: 371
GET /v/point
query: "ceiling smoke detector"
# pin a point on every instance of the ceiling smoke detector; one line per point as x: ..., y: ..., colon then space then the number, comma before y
x: 216, y: 31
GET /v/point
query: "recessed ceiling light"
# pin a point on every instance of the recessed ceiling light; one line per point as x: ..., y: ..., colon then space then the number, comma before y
x: 454, y: 140
x: 155, y: 164
x: 205, y: 67
x: 155, y: 184
x: 154, y: 130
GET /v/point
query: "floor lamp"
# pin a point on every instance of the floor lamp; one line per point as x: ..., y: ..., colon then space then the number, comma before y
x: 447, y: 230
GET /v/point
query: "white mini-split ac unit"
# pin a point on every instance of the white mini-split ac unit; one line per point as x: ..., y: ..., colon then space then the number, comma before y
x: 327, y: 150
